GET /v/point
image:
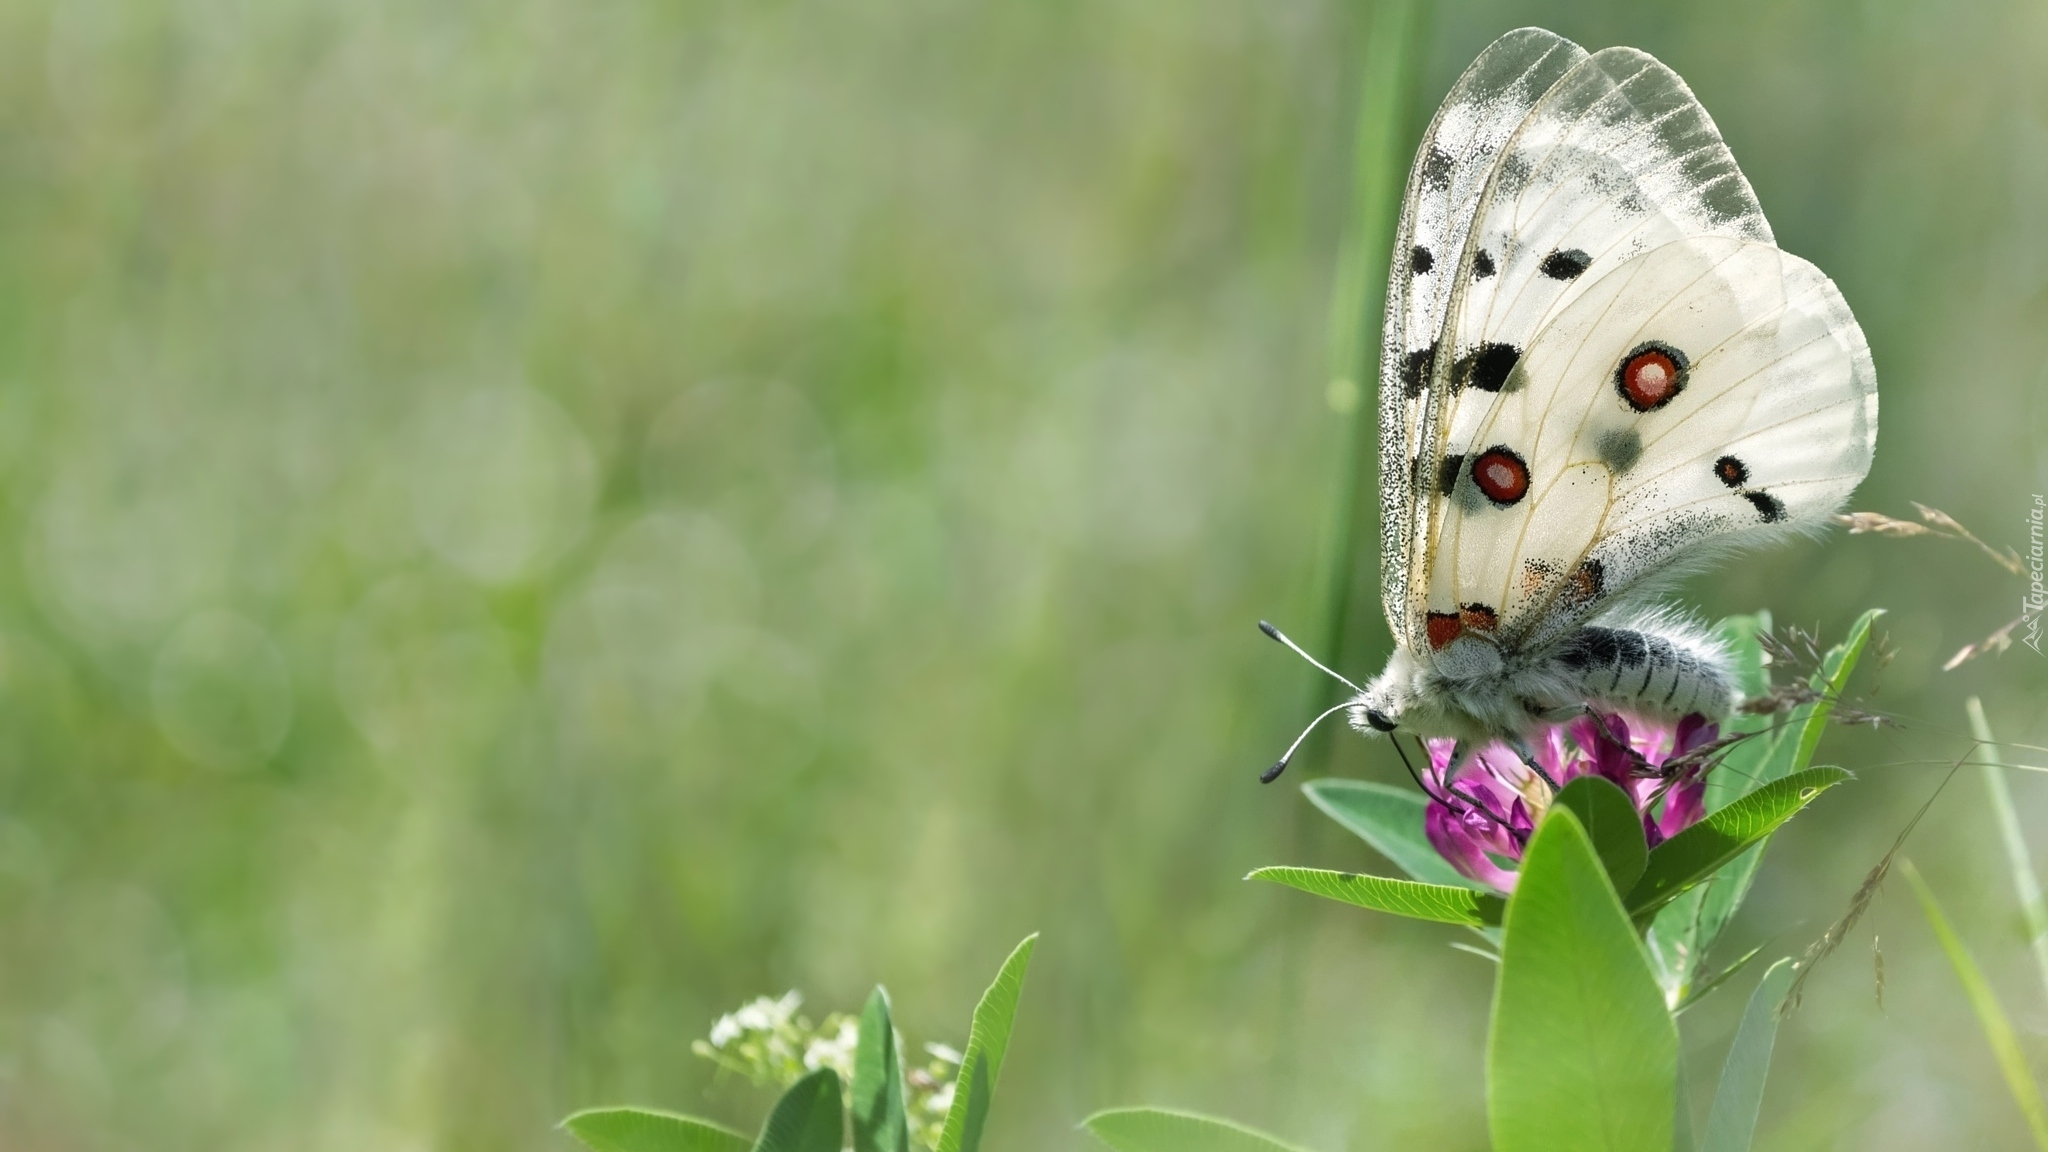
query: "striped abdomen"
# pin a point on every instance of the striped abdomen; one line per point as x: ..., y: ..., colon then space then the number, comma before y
x: 1648, y: 672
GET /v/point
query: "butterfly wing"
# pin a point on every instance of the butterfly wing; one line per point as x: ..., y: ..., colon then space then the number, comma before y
x: 1459, y: 154
x: 1712, y: 390
x: 1616, y: 160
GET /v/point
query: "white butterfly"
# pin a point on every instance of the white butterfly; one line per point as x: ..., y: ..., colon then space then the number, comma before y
x: 1598, y: 373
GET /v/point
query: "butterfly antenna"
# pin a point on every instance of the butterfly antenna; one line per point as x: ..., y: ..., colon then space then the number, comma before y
x: 1280, y: 765
x: 1276, y: 634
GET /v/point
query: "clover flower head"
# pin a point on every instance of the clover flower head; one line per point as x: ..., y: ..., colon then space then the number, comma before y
x: 1484, y: 805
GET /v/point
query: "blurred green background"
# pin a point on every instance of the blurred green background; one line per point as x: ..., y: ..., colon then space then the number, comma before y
x: 528, y: 523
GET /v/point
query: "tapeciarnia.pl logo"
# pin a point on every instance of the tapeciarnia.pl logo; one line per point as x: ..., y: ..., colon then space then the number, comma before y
x: 2037, y: 562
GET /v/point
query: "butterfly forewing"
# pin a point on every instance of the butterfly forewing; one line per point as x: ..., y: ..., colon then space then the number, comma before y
x: 1458, y: 156
x: 1616, y: 159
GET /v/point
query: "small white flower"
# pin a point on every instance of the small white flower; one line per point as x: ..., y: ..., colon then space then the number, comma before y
x: 942, y: 1100
x: 725, y: 1031
x: 834, y: 1051
x: 765, y: 1015
x: 949, y: 1055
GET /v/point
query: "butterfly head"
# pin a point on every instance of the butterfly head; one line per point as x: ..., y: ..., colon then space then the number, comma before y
x: 1382, y: 704
x: 1466, y: 692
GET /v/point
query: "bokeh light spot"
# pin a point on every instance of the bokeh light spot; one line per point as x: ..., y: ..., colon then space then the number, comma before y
x: 221, y: 691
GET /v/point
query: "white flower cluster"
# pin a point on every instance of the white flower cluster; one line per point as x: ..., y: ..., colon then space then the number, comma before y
x: 930, y: 1091
x: 769, y: 1043
x: 834, y: 1049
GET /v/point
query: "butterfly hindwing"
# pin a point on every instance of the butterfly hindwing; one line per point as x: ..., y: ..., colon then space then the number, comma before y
x: 1709, y: 391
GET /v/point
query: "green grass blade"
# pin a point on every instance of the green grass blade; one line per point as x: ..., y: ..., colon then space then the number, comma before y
x: 1581, y: 1053
x: 1700, y: 990
x: 651, y: 1130
x: 1683, y: 1137
x: 1998, y: 1030
x: 1389, y: 819
x: 808, y: 1118
x: 1740, y: 1095
x: 1439, y: 902
x: 1693, y: 855
x: 2026, y: 885
x: 1170, y: 1130
x: 987, y: 1039
x: 1380, y: 154
x: 879, y: 1123
x: 1613, y: 825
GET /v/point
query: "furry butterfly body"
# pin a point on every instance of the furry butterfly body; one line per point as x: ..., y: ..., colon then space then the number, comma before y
x: 1598, y: 374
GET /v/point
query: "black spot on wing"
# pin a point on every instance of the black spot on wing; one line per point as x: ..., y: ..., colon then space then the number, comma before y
x: 1420, y: 261
x: 1768, y: 507
x: 1619, y: 448
x: 1436, y: 169
x: 1732, y: 472
x: 1447, y: 472
x: 1514, y: 173
x: 1565, y: 264
x: 1486, y: 367
x: 1415, y: 369
x: 1482, y: 265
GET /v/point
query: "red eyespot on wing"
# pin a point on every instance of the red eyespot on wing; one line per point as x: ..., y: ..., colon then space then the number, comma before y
x: 1478, y: 618
x: 1651, y: 376
x: 1501, y: 475
x: 1443, y: 628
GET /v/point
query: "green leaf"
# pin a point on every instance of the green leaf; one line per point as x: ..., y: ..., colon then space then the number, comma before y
x: 1740, y: 764
x: 1613, y: 824
x: 1740, y: 634
x: 808, y: 1118
x: 1581, y: 1053
x: 1831, y: 680
x: 1673, y: 942
x: 1389, y: 819
x: 1438, y: 902
x: 1170, y: 1130
x: 879, y: 1124
x: 1676, y: 938
x: 651, y: 1130
x: 1694, y: 854
x: 1764, y: 759
x: 1998, y: 1030
x: 1741, y: 1092
x: 2026, y: 885
x: 987, y: 1039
